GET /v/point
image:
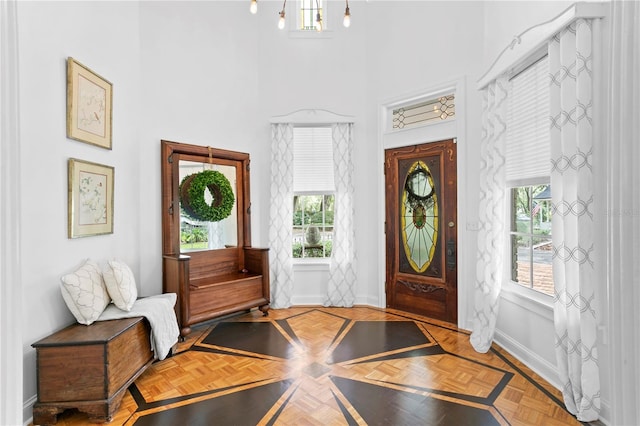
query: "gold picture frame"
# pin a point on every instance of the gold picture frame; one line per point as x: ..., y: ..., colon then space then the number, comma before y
x: 90, y: 198
x: 89, y: 105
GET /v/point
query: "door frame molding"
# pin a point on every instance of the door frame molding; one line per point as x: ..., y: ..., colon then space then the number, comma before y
x: 448, y: 129
x: 14, y: 408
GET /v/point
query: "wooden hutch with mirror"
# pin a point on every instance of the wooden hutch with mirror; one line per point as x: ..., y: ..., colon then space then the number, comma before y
x: 208, y: 260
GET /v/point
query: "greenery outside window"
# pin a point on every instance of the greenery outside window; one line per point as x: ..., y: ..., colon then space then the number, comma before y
x: 313, y: 225
x: 194, y: 235
x: 531, y: 244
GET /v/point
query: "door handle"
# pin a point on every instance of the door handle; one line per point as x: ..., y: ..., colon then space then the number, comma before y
x: 451, y: 255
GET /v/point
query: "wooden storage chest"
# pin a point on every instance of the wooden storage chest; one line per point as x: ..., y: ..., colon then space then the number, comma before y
x: 90, y: 367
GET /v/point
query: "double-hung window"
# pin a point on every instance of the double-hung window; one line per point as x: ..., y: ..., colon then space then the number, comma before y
x: 313, y: 188
x: 528, y: 169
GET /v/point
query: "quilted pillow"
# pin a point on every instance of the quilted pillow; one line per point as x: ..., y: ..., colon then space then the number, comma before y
x: 121, y: 284
x: 84, y: 292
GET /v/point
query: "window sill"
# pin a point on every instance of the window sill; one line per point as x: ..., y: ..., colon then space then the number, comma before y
x: 531, y: 300
x: 310, y: 264
x: 310, y: 34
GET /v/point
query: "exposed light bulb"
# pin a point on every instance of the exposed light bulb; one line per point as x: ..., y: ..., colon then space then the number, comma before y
x: 347, y: 18
x: 281, y: 21
x: 318, y: 22
x: 254, y: 6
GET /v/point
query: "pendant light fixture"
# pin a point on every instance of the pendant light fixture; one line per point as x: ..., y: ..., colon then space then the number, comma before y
x: 347, y: 16
x: 281, y: 21
x: 318, y: 22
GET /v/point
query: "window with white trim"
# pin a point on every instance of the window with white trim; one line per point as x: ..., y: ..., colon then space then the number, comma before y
x: 313, y: 189
x: 424, y: 112
x: 527, y: 171
x: 309, y: 10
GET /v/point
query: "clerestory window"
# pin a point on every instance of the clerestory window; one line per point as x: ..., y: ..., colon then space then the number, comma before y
x: 309, y: 12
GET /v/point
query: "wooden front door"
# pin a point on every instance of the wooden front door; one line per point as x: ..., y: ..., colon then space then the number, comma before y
x: 421, y: 229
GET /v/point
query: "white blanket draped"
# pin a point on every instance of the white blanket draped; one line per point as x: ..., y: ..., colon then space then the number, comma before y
x: 158, y: 310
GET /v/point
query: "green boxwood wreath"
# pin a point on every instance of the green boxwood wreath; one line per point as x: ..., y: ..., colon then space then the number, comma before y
x: 192, y: 190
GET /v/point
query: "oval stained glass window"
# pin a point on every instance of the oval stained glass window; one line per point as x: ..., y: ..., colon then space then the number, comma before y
x: 419, y: 217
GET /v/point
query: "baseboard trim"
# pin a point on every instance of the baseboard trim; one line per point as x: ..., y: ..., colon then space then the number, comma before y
x: 543, y: 368
x: 27, y: 410
x: 307, y: 300
x: 318, y: 300
x: 539, y: 365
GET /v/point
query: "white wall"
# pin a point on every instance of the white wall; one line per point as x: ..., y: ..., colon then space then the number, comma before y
x: 209, y: 73
x: 103, y: 36
x: 391, y: 48
x: 200, y: 86
x: 322, y: 71
x: 506, y: 19
x: 414, y: 48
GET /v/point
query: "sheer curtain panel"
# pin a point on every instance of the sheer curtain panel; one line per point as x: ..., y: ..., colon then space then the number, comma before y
x: 342, y: 270
x: 571, y: 65
x: 492, y: 220
x: 281, y: 215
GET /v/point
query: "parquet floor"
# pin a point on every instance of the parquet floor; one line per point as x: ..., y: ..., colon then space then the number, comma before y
x: 335, y: 366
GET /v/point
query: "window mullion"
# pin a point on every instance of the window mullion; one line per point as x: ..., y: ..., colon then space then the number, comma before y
x: 530, y: 191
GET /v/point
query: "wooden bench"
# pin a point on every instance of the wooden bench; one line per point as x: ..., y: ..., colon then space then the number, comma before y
x: 90, y: 367
x: 212, y: 283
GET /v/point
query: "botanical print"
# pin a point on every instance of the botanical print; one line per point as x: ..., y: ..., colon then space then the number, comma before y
x: 91, y: 107
x: 92, y: 198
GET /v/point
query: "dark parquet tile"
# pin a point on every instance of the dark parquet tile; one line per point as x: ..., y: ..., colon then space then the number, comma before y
x: 257, y: 337
x: 379, y: 405
x: 432, y: 350
x: 240, y: 408
x: 335, y: 366
x: 373, y: 337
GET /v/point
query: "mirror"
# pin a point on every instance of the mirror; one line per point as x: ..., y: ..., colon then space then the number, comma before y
x: 217, y: 216
x: 197, y: 233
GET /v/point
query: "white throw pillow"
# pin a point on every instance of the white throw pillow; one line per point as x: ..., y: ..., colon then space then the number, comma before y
x: 84, y: 292
x: 121, y: 284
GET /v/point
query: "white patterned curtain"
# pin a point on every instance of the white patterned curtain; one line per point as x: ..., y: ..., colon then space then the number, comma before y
x: 281, y: 215
x: 570, y: 64
x: 492, y: 220
x: 342, y: 271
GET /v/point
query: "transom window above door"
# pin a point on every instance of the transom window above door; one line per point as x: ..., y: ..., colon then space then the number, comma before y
x: 424, y: 112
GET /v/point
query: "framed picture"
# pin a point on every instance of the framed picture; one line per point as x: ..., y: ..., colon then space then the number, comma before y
x: 89, y: 99
x: 90, y: 199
